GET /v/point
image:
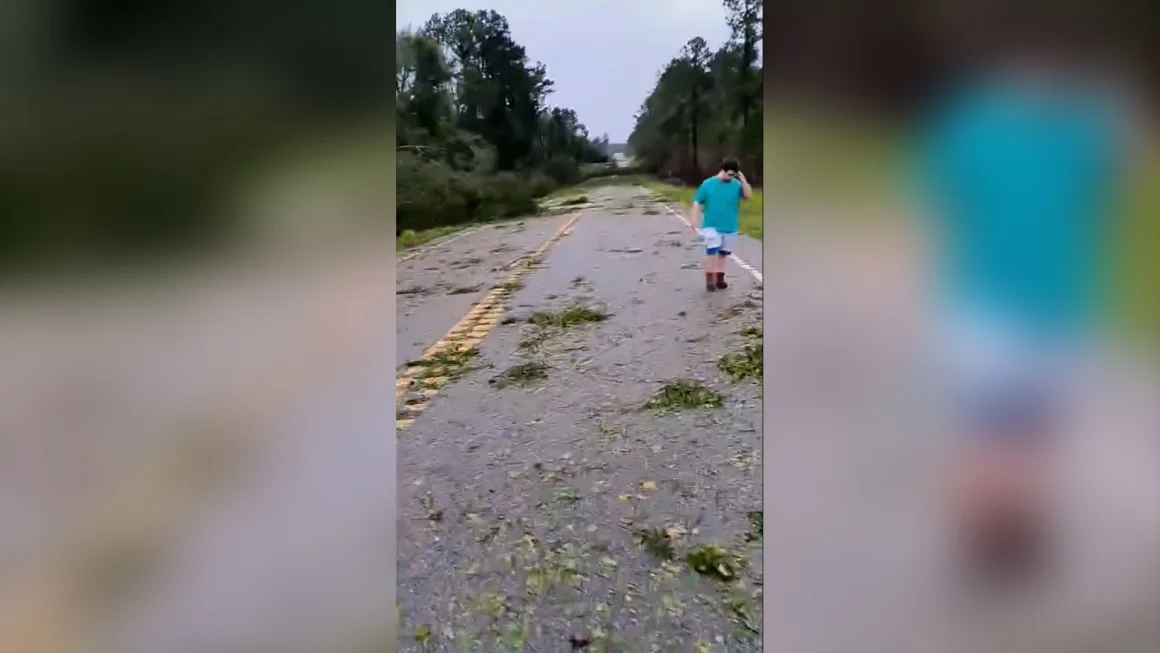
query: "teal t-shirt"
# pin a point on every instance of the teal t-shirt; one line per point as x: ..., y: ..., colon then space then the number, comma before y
x: 721, y: 202
x: 1022, y: 189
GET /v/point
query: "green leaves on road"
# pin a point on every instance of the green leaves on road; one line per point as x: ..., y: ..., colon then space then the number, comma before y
x: 684, y: 395
x: 743, y: 365
x: 548, y: 323
x: 571, y: 316
x: 521, y: 374
x: 715, y: 562
x: 452, y: 362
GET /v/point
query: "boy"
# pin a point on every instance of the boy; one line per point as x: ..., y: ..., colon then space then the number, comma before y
x: 1021, y: 169
x: 715, y: 209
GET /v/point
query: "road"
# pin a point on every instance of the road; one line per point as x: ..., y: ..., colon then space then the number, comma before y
x: 519, y: 505
x: 553, y: 506
x: 546, y: 499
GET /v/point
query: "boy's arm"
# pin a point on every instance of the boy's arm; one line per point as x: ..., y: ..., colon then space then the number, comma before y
x: 746, y: 190
x: 697, y: 210
x: 696, y: 215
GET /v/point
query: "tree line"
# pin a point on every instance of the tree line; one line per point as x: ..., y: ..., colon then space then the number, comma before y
x: 476, y: 136
x: 127, y: 128
x: 891, y: 58
x: 706, y: 105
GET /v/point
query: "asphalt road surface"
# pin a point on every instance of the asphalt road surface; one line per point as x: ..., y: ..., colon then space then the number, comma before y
x: 553, y: 511
x: 588, y: 475
x: 546, y: 505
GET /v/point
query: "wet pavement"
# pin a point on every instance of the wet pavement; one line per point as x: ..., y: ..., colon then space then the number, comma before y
x: 557, y: 513
x: 547, y: 500
x: 438, y: 286
x: 549, y: 512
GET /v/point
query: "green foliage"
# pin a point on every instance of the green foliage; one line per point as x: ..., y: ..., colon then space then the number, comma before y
x: 476, y: 138
x: 706, y: 105
x: 128, y: 185
x: 563, y: 170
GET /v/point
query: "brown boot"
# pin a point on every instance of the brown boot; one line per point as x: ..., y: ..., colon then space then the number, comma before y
x: 721, y: 285
x: 710, y: 281
x: 1008, y: 545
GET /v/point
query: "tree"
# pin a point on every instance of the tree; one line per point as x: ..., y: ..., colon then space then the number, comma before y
x: 421, y: 84
x: 744, y: 19
x: 476, y: 136
x: 706, y: 105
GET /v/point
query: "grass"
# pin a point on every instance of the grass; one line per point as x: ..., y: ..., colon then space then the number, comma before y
x: 521, y: 374
x: 738, y: 309
x: 743, y: 365
x: 549, y: 323
x: 411, y: 238
x: 749, y: 219
x: 756, y: 525
x: 1136, y: 276
x: 832, y: 159
x: 465, y: 290
x: 715, y: 562
x: 533, y: 340
x: 657, y: 543
x: 452, y: 363
x: 684, y: 395
x: 571, y: 316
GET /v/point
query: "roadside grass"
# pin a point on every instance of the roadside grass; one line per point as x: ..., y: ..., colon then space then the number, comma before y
x: 410, y: 238
x: 572, y: 195
x: 835, y: 161
x: 1136, y: 256
x: 627, y: 179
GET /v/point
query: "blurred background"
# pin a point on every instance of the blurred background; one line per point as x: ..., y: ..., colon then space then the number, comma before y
x: 116, y: 110
x: 853, y: 452
x: 196, y: 204
x: 846, y: 84
x: 195, y: 201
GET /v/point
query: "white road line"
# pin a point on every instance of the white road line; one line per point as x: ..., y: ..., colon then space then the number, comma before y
x: 733, y: 257
x: 438, y: 243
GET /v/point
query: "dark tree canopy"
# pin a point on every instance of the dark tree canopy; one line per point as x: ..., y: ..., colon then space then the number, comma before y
x: 476, y: 131
x: 706, y: 105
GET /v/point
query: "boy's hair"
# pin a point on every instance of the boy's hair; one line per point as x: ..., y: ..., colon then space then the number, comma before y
x: 729, y: 165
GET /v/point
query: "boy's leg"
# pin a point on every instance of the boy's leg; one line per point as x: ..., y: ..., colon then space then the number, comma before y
x: 1000, y: 487
x: 1010, y: 421
x: 711, y: 258
x: 722, y: 255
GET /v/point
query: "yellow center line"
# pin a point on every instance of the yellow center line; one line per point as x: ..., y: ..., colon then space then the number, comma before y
x: 465, y: 335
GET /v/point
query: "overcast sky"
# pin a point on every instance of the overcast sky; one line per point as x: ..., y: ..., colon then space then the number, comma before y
x: 603, y: 54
